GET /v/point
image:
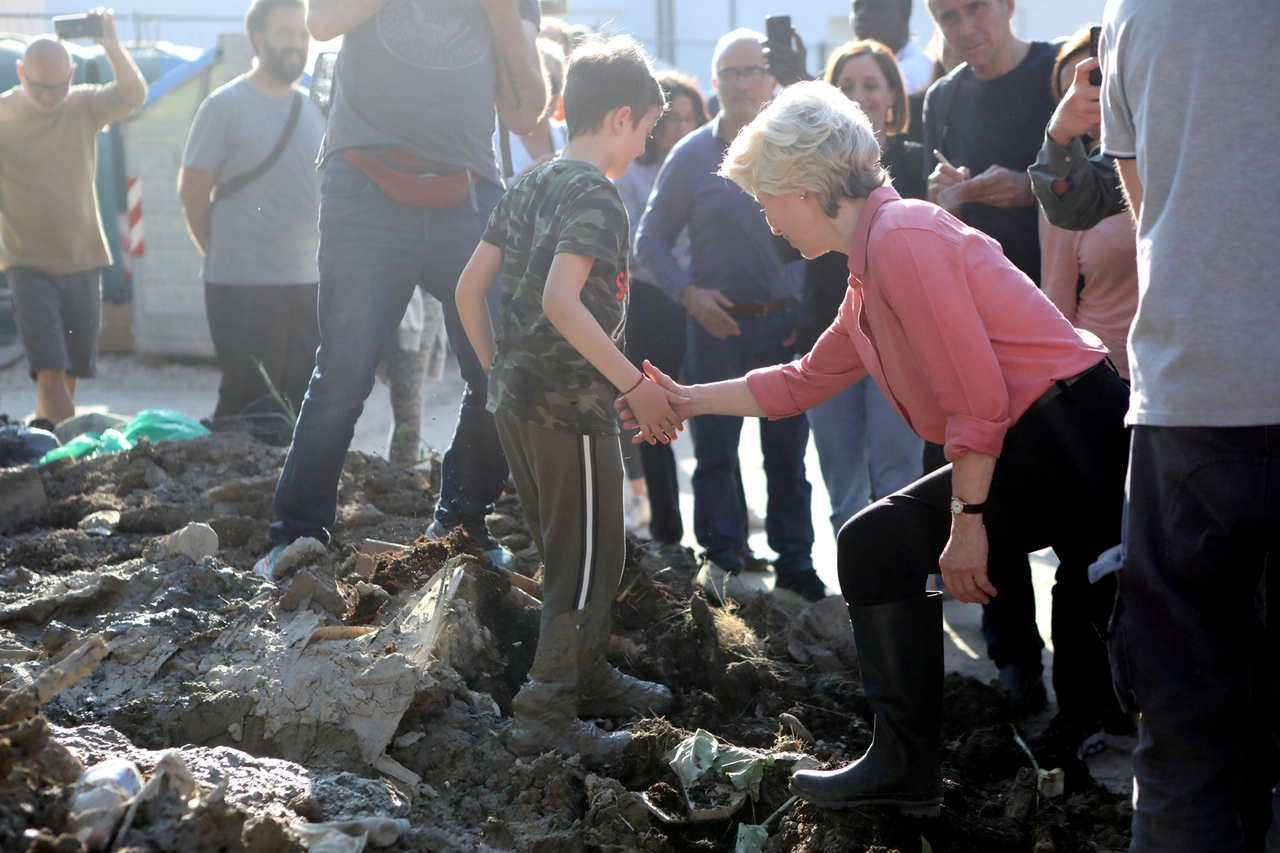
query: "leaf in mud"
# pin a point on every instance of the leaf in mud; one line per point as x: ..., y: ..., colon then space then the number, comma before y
x: 744, y: 767
x: 751, y: 838
x: 693, y: 757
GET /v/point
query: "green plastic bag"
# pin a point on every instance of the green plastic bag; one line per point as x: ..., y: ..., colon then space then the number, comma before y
x: 113, y: 441
x: 79, y: 447
x: 162, y: 425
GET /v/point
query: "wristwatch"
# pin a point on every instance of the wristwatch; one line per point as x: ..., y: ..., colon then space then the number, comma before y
x: 959, y: 507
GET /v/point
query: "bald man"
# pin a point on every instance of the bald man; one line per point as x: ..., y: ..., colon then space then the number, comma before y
x: 51, y: 242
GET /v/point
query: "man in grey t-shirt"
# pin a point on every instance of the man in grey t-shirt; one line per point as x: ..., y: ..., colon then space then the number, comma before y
x: 259, y: 243
x: 416, y: 85
x: 1191, y: 113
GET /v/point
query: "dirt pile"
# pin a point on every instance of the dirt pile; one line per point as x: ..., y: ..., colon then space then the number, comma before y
x: 342, y: 692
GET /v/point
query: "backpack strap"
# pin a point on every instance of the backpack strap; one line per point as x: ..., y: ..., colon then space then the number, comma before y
x: 231, y: 186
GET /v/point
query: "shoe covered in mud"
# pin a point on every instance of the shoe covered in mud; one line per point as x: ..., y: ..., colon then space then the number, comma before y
x: 603, y: 691
x: 804, y: 587
x: 722, y: 586
x: 1024, y: 686
x: 499, y: 556
x: 900, y: 654
x: 755, y: 565
x: 266, y: 567
x: 1068, y: 737
x: 545, y: 711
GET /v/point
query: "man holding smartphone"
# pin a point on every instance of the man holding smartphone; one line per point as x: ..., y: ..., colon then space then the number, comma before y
x: 52, y: 246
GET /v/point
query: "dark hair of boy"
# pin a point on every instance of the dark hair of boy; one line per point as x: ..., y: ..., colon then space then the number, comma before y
x: 255, y: 20
x: 605, y: 75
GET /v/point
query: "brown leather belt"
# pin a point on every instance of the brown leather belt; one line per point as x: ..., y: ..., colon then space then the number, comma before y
x: 759, y: 309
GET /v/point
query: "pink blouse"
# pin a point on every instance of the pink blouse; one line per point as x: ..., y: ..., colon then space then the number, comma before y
x: 1107, y: 256
x: 958, y: 339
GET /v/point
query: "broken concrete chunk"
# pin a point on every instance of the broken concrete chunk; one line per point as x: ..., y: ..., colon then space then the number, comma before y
x: 315, y: 587
x: 55, y: 636
x: 195, y: 541
x: 101, y: 523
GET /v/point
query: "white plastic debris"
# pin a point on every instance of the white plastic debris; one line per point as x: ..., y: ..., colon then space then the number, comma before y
x: 196, y: 541
x: 102, y: 794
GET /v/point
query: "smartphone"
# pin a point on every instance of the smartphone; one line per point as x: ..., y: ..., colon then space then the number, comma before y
x: 1095, y: 36
x: 69, y: 27
x: 777, y: 29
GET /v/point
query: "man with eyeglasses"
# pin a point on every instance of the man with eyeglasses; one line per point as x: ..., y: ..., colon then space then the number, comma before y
x: 743, y: 305
x: 52, y: 246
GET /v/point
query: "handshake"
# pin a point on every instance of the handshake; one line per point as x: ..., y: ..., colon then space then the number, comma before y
x: 657, y: 406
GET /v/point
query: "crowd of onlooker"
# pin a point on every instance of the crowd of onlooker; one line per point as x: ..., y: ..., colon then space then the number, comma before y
x: 1115, y: 169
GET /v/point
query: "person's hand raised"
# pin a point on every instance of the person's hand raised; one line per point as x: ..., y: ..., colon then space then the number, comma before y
x: 1079, y: 113
x: 708, y: 308
x: 676, y: 397
x: 786, y: 63
x: 109, y: 38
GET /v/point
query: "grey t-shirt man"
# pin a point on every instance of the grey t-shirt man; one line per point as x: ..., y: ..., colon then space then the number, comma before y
x: 1191, y: 92
x: 267, y: 233
x: 420, y: 77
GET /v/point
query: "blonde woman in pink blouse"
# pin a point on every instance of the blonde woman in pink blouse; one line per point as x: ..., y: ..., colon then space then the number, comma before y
x: 974, y: 357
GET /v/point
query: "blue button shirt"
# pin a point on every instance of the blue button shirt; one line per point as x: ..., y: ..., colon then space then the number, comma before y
x: 731, y: 245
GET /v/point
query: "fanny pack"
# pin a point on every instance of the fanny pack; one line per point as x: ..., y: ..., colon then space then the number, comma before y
x: 413, y: 181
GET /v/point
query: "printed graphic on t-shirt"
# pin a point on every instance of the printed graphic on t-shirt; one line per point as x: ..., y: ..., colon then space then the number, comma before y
x: 437, y: 34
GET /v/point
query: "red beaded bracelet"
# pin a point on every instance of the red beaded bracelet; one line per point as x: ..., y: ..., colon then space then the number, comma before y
x: 634, y: 387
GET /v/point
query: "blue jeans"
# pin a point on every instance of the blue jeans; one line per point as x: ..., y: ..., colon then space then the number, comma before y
x: 865, y: 448
x: 1194, y: 638
x: 373, y: 253
x: 718, y: 519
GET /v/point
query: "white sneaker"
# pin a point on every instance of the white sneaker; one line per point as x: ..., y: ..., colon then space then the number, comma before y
x: 635, y: 509
x: 723, y: 587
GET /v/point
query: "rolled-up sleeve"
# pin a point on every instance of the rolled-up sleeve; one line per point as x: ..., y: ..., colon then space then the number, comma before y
x: 833, y: 364
x: 926, y: 283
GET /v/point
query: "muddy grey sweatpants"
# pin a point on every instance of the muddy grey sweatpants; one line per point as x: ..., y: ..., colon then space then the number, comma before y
x: 570, y: 486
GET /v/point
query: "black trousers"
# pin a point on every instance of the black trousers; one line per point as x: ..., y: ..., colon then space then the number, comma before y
x: 1195, y: 637
x: 656, y: 331
x: 1059, y: 482
x: 272, y: 324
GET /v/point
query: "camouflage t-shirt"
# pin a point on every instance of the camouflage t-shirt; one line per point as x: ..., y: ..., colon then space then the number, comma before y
x: 537, y: 375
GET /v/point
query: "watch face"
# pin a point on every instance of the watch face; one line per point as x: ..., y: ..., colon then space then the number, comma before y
x: 957, y: 506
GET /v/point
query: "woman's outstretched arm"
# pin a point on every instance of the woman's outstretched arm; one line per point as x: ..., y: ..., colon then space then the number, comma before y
x: 731, y: 397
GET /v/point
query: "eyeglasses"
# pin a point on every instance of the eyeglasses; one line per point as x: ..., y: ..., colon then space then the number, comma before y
x: 751, y: 75
x: 52, y: 89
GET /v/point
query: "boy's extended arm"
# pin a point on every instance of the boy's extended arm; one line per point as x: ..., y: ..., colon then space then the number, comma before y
x: 473, y: 311
x: 562, y: 303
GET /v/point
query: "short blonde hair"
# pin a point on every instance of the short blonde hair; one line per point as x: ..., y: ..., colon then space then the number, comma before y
x: 810, y: 139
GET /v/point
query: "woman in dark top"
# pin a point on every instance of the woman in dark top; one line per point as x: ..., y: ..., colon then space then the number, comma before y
x: 865, y: 449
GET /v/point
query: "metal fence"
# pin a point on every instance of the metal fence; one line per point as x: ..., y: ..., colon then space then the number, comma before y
x: 137, y: 26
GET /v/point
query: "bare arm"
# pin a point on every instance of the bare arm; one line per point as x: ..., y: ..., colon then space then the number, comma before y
x: 964, y: 560
x: 194, y: 189
x: 473, y: 311
x: 328, y: 19
x: 522, y: 86
x: 1132, y: 186
x: 562, y: 303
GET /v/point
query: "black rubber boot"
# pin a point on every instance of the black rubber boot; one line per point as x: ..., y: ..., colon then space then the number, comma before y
x: 603, y: 691
x: 545, y: 713
x: 900, y: 653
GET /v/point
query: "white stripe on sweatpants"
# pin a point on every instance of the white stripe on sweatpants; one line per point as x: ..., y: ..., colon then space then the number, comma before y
x: 588, y: 521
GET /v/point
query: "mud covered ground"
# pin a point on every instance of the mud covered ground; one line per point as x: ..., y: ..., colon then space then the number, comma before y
x: 301, y: 700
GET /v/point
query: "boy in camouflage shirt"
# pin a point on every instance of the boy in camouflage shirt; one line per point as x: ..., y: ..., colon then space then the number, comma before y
x: 559, y: 241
